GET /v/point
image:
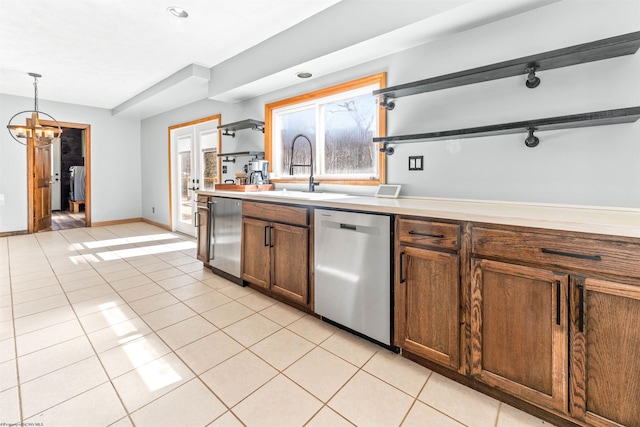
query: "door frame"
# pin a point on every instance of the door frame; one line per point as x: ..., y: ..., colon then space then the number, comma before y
x: 87, y: 162
x: 170, y: 155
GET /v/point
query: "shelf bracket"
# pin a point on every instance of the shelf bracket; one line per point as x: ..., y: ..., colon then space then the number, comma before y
x: 258, y: 128
x: 389, y: 105
x: 227, y: 133
x: 532, y: 81
x: 531, y: 141
x: 386, y: 149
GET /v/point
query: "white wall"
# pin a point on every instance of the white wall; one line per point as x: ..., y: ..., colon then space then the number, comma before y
x: 588, y: 166
x: 115, y: 162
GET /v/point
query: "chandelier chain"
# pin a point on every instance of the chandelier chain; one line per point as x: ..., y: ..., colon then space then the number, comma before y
x: 35, y: 85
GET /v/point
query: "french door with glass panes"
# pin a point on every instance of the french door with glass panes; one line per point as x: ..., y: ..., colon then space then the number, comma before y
x: 194, y: 166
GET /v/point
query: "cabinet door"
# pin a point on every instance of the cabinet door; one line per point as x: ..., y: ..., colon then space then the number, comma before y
x: 605, y: 352
x: 256, y: 242
x: 519, y: 331
x: 429, y: 318
x: 290, y: 262
x: 202, y: 232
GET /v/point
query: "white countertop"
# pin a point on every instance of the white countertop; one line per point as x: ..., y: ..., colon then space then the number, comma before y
x: 587, y: 219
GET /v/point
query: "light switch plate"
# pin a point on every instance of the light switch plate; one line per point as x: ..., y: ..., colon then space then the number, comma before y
x: 416, y: 163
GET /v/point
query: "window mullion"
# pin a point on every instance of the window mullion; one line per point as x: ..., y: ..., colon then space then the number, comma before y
x: 320, y: 135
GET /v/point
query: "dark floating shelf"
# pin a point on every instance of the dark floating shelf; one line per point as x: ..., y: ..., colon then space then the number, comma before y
x: 598, y: 118
x: 626, y: 44
x: 241, y: 125
x: 242, y: 153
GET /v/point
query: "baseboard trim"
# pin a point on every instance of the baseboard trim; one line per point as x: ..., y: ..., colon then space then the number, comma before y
x: 115, y: 222
x: 13, y: 233
x: 157, y: 224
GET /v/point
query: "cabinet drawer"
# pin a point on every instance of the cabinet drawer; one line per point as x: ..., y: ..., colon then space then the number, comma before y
x: 428, y: 233
x: 602, y: 256
x: 278, y: 213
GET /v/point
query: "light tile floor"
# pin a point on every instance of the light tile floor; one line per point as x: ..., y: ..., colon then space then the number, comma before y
x: 121, y: 326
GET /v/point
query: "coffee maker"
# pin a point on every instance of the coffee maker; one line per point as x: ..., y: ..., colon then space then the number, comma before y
x: 259, y: 172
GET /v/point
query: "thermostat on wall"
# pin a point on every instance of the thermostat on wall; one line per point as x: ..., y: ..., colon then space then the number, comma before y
x: 385, y: 190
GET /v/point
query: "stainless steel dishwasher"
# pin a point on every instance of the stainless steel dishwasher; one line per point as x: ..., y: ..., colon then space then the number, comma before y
x: 225, y: 228
x: 353, y: 281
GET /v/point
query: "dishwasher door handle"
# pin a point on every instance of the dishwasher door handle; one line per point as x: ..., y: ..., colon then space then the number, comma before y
x: 348, y: 226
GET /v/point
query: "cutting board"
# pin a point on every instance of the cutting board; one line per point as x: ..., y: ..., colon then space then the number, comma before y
x: 248, y: 187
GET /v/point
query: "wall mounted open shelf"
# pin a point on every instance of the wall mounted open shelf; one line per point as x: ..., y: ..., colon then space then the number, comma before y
x: 229, y: 129
x: 626, y: 44
x: 243, y: 153
x: 598, y: 118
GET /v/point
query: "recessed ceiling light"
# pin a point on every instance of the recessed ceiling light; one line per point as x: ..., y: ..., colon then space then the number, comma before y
x: 304, y: 74
x: 178, y: 12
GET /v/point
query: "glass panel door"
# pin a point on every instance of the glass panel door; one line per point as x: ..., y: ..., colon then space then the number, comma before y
x: 185, y: 202
x: 194, y: 167
x: 208, y: 158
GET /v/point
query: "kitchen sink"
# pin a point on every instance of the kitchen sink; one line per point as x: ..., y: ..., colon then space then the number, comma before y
x: 303, y: 195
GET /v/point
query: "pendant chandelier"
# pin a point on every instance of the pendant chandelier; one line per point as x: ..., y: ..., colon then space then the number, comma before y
x: 32, y: 129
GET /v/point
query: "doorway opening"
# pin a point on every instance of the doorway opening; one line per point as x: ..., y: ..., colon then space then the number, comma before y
x: 59, y: 180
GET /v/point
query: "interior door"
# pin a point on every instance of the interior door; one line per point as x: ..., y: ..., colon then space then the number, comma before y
x: 194, y: 167
x: 56, y: 184
x: 42, y: 187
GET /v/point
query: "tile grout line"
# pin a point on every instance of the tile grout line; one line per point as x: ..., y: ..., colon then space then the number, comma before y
x: 15, y: 338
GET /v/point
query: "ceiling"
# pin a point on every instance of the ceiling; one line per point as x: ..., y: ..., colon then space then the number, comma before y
x: 133, y: 57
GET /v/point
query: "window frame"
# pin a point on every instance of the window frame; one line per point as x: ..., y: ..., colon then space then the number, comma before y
x: 379, y: 79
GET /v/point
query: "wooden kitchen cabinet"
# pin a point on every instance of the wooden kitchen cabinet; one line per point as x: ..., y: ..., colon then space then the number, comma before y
x: 556, y: 321
x: 275, y: 249
x: 427, y: 291
x: 290, y: 262
x: 256, y: 252
x: 519, y: 331
x: 605, y: 349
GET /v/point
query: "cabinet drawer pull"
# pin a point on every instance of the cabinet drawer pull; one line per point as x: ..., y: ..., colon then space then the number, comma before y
x: 580, y: 308
x: 266, y: 232
x: 417, y: 233
x: 572, y: 255
x: 270, y: 236
x: 402, y: 278
x: 558, y: 299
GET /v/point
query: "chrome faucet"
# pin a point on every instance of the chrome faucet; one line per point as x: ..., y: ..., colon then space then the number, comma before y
x: 312, y: 184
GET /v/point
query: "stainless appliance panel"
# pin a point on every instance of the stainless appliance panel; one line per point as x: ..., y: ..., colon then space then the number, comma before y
x: 225, y: 216
x: 353, y: 271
